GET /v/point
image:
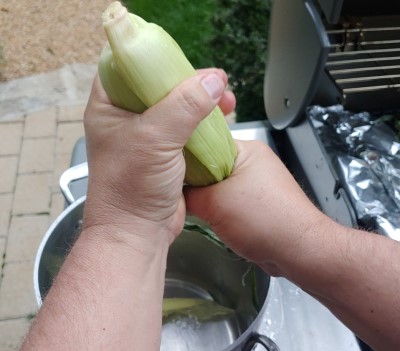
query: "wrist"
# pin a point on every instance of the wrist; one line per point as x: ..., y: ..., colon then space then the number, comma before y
x: 107, y: 208
x: 129, y: 234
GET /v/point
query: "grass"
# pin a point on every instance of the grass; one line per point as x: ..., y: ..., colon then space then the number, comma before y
x: 189, y: 23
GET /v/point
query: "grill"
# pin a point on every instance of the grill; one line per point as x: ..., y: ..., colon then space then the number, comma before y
x: 328, y: 52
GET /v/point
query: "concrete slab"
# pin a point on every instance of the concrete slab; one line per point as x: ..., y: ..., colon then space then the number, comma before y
x: 68, y: 85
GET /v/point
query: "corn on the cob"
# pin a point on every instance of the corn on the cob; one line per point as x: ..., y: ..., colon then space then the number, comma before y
x: 200, y: 309
x: 115, y: 87
x: 150, y: 64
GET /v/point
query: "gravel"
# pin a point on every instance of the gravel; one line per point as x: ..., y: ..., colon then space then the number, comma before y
x: 44, y: 35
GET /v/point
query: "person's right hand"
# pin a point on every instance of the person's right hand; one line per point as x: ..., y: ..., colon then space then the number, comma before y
x: 263, y: 215
x: 260, y: 211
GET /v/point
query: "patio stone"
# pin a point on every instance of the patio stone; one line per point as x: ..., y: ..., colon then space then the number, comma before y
x: 37, y: 155
x: 41, y: 123
x: 57, y: 206
x: 61, y: 163
x: 71, y: 113
x: 67, y: 136
x: 10, y: 138
x: 12, y: 333
x: 32, y: 194
x: 5, y: 212
x: 2, y: 252
x: 24, y: 237
x: 8, y: 171
x: 17, y: 297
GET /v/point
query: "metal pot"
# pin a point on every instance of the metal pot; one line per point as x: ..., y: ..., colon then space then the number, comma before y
x: 196, y: 267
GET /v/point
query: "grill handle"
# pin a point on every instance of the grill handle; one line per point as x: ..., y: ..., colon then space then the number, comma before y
x: 72, y: 174
x: 262, y: 340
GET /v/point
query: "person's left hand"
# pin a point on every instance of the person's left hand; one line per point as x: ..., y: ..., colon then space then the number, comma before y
x: 136, y: 165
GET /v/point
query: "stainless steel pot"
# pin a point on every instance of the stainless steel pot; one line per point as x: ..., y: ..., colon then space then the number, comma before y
x: 196, y: 267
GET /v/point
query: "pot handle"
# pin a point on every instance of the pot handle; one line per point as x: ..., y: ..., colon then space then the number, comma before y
x: 264, y: 341
x: 72, y: 174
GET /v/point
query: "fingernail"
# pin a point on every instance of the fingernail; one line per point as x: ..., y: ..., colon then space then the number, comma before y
x: 214, y: 86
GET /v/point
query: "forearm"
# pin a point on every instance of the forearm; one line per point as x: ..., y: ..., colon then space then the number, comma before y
x: 108, y: 295
x: 356, y: 275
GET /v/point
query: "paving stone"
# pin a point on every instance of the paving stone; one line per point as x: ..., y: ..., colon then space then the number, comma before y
x: 61, y: 164
x: 8, y: 172
x: 2, y: 251
x: 67, y: 135
x: 5, y: 212
x: 10, y: 138
x: 32, y: 194
x: 71, y: 113
x: 12, y: 333
x: 25, y: 235
x: 41, y: 124
x: 37, y: 155
x: 57, y: 206
x: 17, y: 297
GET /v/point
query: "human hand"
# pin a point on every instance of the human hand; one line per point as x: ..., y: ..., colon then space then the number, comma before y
x: 259, y: 211
x: 136, y: 165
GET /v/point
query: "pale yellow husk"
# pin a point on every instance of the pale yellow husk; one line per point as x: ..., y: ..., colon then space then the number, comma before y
x: 142, y: 64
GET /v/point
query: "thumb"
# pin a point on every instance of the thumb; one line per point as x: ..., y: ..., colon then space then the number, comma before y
x: 179, y: 113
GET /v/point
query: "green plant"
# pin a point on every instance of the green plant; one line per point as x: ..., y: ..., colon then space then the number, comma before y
x: 188, y: 22
x: 231, y: 34
x: 240, y: 47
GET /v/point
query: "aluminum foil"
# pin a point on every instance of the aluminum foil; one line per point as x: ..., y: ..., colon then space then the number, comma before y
x: 365, y: 152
